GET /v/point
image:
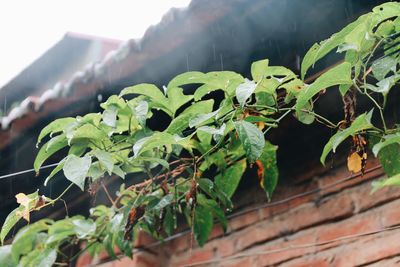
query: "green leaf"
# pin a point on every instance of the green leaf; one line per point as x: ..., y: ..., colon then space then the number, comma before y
x: 151, y: 91
x: 158, y: 139
x: 388, y: 140
x: 87, y: 131
x: 48, y: 149
x: 356, y: 37
x: 6, y: 259
x: 177, y: 98
x: 202, y: 118
x: 389, y: 158
x: 318, y: 51
x: 254, y: 119
x: 26, y: 238
x: 270, y: 169
x: 141, y: 111
x: 169, y: 222
x: 118, y: 171
x: 244, y: 91
x: 162, y: 162
x: 190, y: 77
x: 227, y: 81
x: 60, y: 231
x: 76, y: 169
x: 42, y: 258
x: 202, y: 224
x: 110, y: 115
x: 10, y: 221
x: 83, y: 227
x: 341, y: 74
x: 213, y: 131
x: 361, y: 123
x: 105, y: 160
x: 55, y: 171
x: 258, y: 69
x: 214, y: 207
x: 384, y: 86
x: 391, y: 181
x: 252, y: 139
x: 78, y: 148
x: 181, y: 122
x: 228, y: 180
x: 54, y: 127
x: 305, y: 115
x: 165, y: 201
x: 382, y: 66
x: 95, y: 171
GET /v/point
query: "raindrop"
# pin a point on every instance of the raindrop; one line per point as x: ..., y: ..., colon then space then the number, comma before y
x: 99, y: 97
x: 187, y: 62
x: 215, y: 57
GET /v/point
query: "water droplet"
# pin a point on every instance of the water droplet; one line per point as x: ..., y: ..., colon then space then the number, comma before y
x: 99, y: 97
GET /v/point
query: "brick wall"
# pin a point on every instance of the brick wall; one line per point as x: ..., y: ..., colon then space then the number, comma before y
x: 337, y: 225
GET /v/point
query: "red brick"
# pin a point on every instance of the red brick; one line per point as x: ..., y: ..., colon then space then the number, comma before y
x: 180, y: 244
x: 362, y: 252
x: 84, y: 260
x: 336, y: 207
x: 390, y: 214
x: 144, y: 239
x: 364, y: 200
x: 248, y: 262
x: 308, y: 262
x: 242, y: 221
x: 107, y: 264
x: 342, y: 173
x: 226, y: 247
x: 217, y: 231
x: 195, y: 256
x: 276, y: 257
x: 141, y: 259
x: 386, y: 262
x: 351, y: 226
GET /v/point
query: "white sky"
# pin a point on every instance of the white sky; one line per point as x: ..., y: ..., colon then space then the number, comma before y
x: 28, y: 28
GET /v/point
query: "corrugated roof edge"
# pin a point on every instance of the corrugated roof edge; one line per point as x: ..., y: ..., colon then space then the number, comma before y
x: 131, y: 55
x: 91, y: 71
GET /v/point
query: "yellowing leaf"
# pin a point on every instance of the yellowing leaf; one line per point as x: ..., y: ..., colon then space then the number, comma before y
x: 24, y: 200
x: 27, y: 202
x: 354, y: 162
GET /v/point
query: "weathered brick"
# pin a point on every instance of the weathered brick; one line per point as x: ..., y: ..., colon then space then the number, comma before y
x: 362, y: 251
x: 242, y: 221
x: 279, y: 251
x: 84, y: 260
x: 238, y: 262
x: 364, y: 200
x: 351, y: 226
x: 141, y: 259
x: 341, y: 173
x: 310, y: 261
x: 390, y: 214
x: 195, y: 256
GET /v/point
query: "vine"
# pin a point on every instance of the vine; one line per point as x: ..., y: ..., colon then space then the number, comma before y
x: 194, y: 166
